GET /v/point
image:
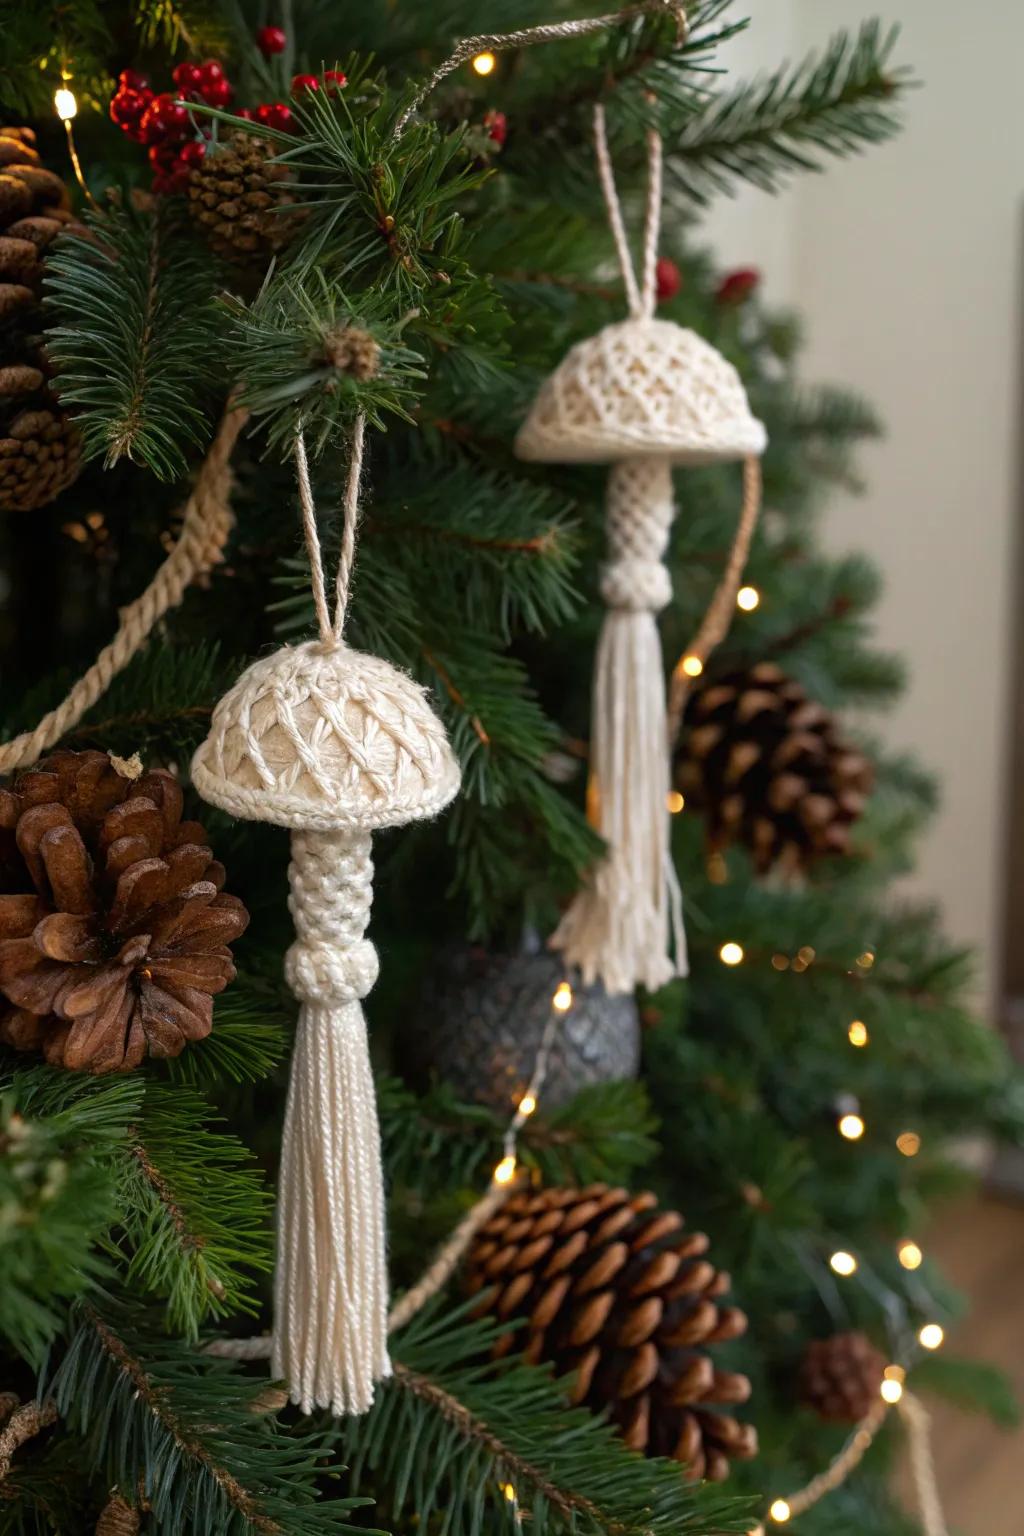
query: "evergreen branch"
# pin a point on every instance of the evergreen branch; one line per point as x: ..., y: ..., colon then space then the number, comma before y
x: 135, y: 337
x: 189, y: 1434
x: 835, y: 105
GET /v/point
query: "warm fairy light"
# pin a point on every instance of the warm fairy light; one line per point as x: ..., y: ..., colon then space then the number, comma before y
x: 484, y: 63
x: 780, y: 1511
x: 891, y: 1389
x: 748, y: 598
x: 866, y: 960
x: 852, y: 1127
x: 509, y: 1492
x: 675, y: 801
x: 527, y: 1104
x: 505, y: 1171
x: 64, y: 104
x: 731, y: 954
x: 780, y: 962
x: 910, y: 1255
x: 692, y: 666
x: 843, y: 1263
x: 894, y: 1373
x: 857, y: 1034
x: 562, y: 999
x: 931, y: 1335
x: 909, y: 1143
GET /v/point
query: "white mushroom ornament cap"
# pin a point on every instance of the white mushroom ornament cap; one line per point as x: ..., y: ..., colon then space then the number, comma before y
x: 642, y: 388
x: 326, y: 739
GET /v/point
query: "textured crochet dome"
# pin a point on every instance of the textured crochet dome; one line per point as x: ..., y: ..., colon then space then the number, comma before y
x: 326, y: 740
x: 641, y: 388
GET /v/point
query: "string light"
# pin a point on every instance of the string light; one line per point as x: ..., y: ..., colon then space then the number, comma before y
x: 509, y: 1491
x: 780, y: 962
x: 894, y: 1373
x: 910, y: 1255
x: 675, y: 801
x: 692, y: 666
x: 843, y: 1263
x: 891, y: 1389
x: 851, y: 1127
x: 780, y: 1511
x: 64, y: 104
x: 731, y: 953
x: 561, y: 1002
x: 527, y: 1104
x: 909, y: 1143
x: 66, y: 107
x: 857, y: 1034
x: 562, y: 999
x: 866, y: 960
x: 748, y: 598
x: 931, y: 1335
x: 484, y: 63
x: 506, y: 1170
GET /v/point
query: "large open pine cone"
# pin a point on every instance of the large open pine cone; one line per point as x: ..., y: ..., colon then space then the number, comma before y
x: 236, y: 195
x: 604, y: 1285
x: 40, y: 451
x: 113, y: 926
x: 769, y: 769
x: 840, y: 1377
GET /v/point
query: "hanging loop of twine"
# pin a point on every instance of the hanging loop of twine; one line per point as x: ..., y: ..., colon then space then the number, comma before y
x: 331, y: 625
x: 641, y: 297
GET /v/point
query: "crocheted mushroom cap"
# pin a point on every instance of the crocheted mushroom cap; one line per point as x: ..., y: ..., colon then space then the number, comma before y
x: 326, y: 740
x: 641, y: 388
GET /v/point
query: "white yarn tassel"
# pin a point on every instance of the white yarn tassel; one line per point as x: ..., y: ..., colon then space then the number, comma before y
x: 626, y: 926
x: 330, y: 1332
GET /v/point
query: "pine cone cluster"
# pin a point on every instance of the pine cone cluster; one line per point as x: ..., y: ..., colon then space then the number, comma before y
x: 602, y: 1284
x: 840, y: 1377
x: 113, y: 925
x: 236, y: 195
x: 769, y: 769
x: 40, y: 451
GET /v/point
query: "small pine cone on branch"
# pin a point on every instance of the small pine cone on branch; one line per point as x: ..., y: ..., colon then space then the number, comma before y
x: 602, y: 1284
x: 840, y: 1377
x: 119, y: 1518
x: 236, y: 195
x: 769, y: 769
x: 114, y: 930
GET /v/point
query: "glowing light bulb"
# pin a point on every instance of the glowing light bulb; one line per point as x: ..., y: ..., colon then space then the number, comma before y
x: 731, y: 954
x: 910, y: 1255
x: 780, y: 962
x: 851, y: 1127
x: 692, y: 666
x: 891, y: 1389
x: 780, y: 1511
x: 675, y: 801
x: 909, y: 1143
x: 527, y: 1104
x: 505, y: 1171
x: 857, y: 1034
x: 484, y: 63
x: 64, y: 104
x: 866, y: 960
x: 931, y: 1335
x: 843, y: 1263
x: 509, y: 1492
x: 748, y: 598
x: 562, y: 999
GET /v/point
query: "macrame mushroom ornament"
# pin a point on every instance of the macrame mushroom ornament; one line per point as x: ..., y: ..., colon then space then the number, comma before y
x: 333, y: 744
x: 642, y: 395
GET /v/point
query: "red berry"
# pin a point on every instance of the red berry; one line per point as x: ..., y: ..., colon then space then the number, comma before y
x: 247, y: 113
x: 132, y: 80
x: 667, y: 278
x: 192, y: 153
x: 217, y: 93
x: 211, y: 70
x: 164, y: 120
x: 737, y: 286
x: 303, y: 83
x: 334, y: 80
x: 280, y: 117
x: 127, y: 106
x: 271, y: 40
x: 187, y: 77
x: 496, y: 124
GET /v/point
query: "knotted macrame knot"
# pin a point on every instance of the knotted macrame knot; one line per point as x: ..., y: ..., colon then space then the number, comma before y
x: 638, y: 585
x: 317, y: 972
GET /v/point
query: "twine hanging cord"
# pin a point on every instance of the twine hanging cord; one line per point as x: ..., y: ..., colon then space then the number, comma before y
x: 331, y: 625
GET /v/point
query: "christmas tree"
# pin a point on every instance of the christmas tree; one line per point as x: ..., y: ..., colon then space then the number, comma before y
x: 267, y: 277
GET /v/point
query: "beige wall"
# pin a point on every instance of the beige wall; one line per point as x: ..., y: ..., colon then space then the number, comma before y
x: 906, y: 266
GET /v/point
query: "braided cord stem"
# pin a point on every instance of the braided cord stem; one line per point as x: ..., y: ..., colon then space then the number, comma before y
x: 716, y: 622
x: 204, y: 533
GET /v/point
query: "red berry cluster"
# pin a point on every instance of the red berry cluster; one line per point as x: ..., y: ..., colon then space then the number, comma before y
x: 496, y: 124
x: 163, y: 123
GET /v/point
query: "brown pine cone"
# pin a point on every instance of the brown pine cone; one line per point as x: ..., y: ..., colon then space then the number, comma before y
x: 601, y: 1284
x: 840, y: 1378
x: 113, y: 929
x: 236, y: 196
x: 769, y: 769
x: 119, y: 1518
x: 40, y: 454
